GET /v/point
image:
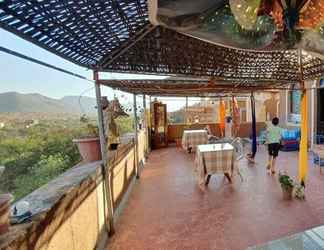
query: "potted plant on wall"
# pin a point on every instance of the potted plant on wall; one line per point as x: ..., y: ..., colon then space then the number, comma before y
x: 88, y: 143
x: 287, y: 185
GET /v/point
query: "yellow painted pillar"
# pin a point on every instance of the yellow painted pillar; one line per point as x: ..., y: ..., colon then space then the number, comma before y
x: 303, y: 157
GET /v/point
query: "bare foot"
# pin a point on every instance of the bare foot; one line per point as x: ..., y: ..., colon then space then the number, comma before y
x: 250, y: 160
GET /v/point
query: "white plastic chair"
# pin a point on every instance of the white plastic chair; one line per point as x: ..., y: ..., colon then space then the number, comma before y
x: 239, y: 153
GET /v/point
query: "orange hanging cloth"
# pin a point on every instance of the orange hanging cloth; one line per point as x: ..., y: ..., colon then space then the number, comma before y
x: 303, y: 157
x: 222, y: 114
x: 236, y: 116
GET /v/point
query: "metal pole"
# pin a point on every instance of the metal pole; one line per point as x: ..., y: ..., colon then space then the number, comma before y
x: 104, y: 165
x: 149, y: 131
x: 254, y: 141
x: 313, y: 114
x: 145, y: 125
x: 136, y: 137
x: 303, y: 155
x: 186, y: 112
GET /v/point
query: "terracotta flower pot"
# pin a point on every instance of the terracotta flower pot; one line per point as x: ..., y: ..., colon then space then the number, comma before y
x: 5, y: 200
x: 89, y: 149
x: 287, y: 193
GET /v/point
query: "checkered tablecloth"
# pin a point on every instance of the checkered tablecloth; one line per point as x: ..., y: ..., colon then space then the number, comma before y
x: 214, y: 159
x: 319, y: 150
x: 193, y: 138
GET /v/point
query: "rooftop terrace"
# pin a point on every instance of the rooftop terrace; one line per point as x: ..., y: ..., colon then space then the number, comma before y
x: 168, y: 210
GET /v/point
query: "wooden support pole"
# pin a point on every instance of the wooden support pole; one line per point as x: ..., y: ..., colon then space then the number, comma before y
x: 108, y: 204
x: 136, y: 137
x: 150, y: 127
x: 144, y: 108
x: 312, y: 96
x: 145, y: 127
x: 186, y: 112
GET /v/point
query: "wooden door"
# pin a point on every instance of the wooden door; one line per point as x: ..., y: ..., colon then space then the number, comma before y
x: 160, y: 125
x: 320, y: 111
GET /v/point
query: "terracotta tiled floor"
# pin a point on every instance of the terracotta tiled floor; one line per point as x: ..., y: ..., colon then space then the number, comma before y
x: 167, y: 210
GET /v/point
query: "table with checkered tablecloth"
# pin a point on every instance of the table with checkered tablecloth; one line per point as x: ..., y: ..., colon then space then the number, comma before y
x: 214, y: 159
x: 192, y: 138
x: 318, y: 151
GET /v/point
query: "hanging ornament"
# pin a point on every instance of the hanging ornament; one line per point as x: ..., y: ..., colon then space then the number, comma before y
x: 245, y: 12
x: 116, y: 108
x: 247, y: 24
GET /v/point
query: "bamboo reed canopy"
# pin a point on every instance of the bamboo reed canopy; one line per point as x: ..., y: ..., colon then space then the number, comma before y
x: 116, y: 36
x: 192, y: 87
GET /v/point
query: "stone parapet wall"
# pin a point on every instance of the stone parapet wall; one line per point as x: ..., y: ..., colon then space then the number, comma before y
x: 69, y: 211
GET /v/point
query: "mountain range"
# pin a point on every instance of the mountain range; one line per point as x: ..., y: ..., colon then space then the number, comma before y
x: 25, y: 103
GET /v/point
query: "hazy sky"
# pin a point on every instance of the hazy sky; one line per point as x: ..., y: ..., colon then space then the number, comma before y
x: 26, y: 77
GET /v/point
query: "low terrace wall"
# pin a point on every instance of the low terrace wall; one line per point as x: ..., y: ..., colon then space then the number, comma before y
x: 69, y: 211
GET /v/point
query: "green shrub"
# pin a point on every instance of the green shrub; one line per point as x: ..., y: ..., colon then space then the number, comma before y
x: 33, y: 156
x: 31, y: 160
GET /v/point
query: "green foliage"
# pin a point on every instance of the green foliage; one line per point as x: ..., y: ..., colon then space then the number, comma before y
x: 41, y: 173
x: 33, y: 156
x: 300, y: 192
x: 89, y: 129
x: 125, y: 124
x: 285, y: 181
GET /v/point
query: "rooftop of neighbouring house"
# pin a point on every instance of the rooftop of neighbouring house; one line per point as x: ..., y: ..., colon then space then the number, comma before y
x: 168, y: 210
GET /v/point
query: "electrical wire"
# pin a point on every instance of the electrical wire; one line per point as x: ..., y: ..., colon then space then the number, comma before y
x: 80, y: 96
x: 33, y: 60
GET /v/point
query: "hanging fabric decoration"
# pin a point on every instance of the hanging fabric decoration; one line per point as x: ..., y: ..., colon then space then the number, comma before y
x: 246, y: 24
x: 245, y: 12
x: 236, y: 116
x: 222, y: 114
x: 303, y: 158
x: 254, y: 140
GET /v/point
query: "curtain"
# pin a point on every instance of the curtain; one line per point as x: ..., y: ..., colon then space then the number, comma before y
x: 222, y: 113
x: 236, y: 116
x: 254, y: 140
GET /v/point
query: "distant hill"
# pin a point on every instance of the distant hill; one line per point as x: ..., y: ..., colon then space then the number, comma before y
x: 84, y: 104
x: 25, y: 103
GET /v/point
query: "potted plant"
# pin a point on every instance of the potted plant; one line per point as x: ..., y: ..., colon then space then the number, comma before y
x: 300, y: 192
x: 287, y: 185
x: 88, y: 143
x: 5, y: 200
